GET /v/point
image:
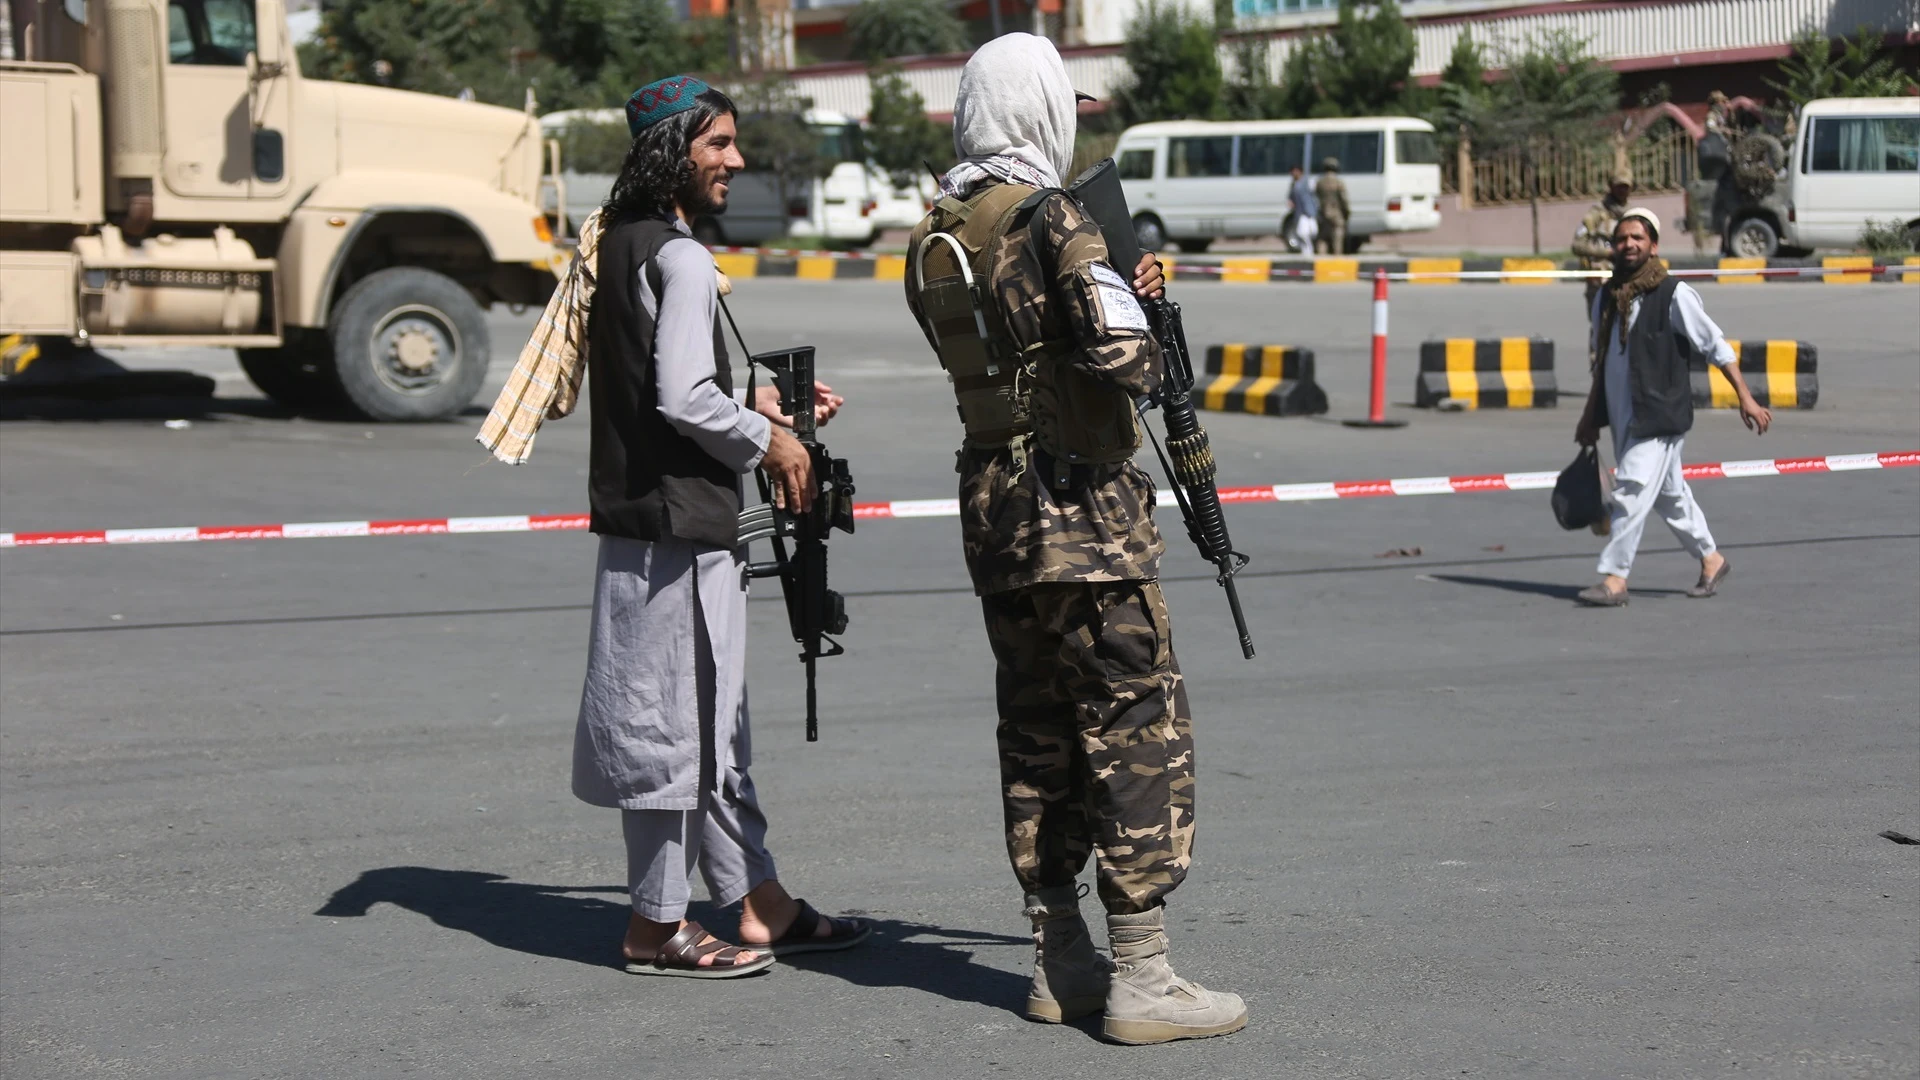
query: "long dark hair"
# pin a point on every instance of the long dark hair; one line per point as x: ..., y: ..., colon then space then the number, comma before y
x: 657, y: 165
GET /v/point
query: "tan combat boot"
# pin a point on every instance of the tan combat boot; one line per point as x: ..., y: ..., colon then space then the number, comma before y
x: 1069, y: 975
x: 1147, y: 1002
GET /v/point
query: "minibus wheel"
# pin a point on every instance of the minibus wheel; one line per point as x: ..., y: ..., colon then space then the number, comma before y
x: 1149, y: 233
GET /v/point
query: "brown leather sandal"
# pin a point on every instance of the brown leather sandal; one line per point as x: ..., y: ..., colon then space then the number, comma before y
x: 682, y: 953
x: 802, y: 936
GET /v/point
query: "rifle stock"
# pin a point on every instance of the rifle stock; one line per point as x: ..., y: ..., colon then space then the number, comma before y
x: 1191, y: 466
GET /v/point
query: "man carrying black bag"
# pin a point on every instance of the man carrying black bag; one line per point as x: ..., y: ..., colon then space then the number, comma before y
x: 1646, y: 327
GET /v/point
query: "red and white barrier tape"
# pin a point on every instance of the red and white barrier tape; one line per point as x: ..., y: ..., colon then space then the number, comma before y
x: 921, y: 508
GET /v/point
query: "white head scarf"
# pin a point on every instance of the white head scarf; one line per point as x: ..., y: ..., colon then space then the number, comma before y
x: 1015, y: 115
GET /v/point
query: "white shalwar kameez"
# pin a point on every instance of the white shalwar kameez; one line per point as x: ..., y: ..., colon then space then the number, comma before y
x: 1647, y: 472
x: 663, y: 731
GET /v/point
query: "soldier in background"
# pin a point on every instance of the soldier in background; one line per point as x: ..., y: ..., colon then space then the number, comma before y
x: 1331, y: 192
x: 1095, y: 735
x: 1593, y: 241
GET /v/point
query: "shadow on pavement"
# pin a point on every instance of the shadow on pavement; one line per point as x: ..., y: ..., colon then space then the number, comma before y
x: 555, y: 921
x: 1538, y: 588
x: 545, y: 920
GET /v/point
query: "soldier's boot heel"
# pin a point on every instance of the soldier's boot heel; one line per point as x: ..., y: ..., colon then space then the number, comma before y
x: 1147, y: 1002
x: 1069, y: 974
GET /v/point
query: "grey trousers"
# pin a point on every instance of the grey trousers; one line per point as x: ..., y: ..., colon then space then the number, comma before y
x: 725, y: 837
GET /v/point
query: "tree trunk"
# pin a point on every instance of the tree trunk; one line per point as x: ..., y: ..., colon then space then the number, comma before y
x: 1463, y: 161
x: 1533, y: 197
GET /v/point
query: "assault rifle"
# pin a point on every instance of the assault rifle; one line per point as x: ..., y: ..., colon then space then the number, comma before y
x: 813, y: 610
x: 1099, y: 194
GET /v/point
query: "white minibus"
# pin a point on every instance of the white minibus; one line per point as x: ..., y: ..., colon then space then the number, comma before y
x: 838, y: 209
x: 1193, y: 182
x: 1854, y: 160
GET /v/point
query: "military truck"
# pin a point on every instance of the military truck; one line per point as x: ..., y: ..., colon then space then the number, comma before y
x: 168, y: 177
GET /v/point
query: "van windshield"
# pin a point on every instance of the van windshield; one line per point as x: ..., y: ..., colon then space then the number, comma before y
x: 841, y: 142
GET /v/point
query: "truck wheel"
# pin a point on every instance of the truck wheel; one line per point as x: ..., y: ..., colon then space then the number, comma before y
x: 299, y: 374
x: 1149, y: 233
x: 409, y: 344
x: 1752, y: 238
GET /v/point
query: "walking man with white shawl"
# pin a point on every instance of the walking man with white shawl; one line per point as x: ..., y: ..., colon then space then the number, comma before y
x: 1047, y: 347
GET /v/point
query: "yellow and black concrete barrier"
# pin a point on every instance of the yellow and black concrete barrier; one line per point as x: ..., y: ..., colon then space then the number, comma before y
x: 1781, y: 374
x: 1271, y: 380
x: 1497, y: 373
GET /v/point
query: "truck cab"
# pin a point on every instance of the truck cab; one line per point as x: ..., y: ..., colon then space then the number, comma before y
x: 174, y: 179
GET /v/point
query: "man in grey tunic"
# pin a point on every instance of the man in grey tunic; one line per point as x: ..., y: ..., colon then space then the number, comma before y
x: 662, y: 733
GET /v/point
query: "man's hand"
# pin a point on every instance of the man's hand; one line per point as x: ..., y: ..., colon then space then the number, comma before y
x: 790, y: 467
x: 1149, y: 278
x: 1586, y: 433
x: 1756, y: 416
x: 826, y: 404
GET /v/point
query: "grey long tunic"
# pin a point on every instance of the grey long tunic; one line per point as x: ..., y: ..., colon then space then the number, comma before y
x: 658, y: 666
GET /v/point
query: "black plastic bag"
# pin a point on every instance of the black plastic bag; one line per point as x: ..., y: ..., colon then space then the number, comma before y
x: 1578, y: 498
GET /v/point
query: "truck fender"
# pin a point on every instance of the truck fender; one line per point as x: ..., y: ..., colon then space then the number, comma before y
x: 321, y: 233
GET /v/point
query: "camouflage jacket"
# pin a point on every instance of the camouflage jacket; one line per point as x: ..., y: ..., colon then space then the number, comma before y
x: 1594, y: 242
x: 1332, y: 193
x: 1018, y: 528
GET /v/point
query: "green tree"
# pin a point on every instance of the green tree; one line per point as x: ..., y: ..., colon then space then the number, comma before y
x: 880, y: 29
x: 1358, y: 68
x: 1861, y: 68
x: 1251, y: 94
x: 436, y: 46
x: 899, y: 135
x: 1554, y: 89
x: 1175, y: 63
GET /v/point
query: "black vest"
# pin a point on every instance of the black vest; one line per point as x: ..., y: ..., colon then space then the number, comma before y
x: 648, y: 481
x: 1658, y: 355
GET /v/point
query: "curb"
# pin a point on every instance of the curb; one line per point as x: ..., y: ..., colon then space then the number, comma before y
x: 1780, y: 374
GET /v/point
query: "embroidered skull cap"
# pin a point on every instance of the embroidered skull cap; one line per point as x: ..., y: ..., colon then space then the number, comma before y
x: 656, y: 101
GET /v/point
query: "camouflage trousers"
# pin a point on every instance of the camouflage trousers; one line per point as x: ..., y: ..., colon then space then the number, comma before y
x: 1096, y: 739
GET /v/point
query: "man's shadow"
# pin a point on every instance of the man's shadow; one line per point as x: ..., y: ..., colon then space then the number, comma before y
x: 558, y: 922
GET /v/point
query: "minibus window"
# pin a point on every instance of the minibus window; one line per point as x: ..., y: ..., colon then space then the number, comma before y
x: 1415, y: 148
x: 1210, y: 155
x: 1865, y: 144
x: 1271, y: 155
x: 1136, y: 165
x: 1356, y: 151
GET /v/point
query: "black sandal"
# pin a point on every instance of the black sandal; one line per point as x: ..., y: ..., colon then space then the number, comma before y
x: 682, y: 953
x: 801, y: 935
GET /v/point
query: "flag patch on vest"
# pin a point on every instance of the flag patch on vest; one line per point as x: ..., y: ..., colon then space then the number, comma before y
x: 1118, y: 308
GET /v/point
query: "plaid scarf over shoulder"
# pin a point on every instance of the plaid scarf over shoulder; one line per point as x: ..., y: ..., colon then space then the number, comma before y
x: 545, y: 382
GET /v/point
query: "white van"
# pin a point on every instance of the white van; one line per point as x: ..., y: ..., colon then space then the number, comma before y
x: 838, y: 209
x: 1192, y: 182
x: 1854, y: 159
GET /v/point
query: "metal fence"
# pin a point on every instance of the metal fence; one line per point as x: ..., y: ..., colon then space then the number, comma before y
x: 1575, y: 169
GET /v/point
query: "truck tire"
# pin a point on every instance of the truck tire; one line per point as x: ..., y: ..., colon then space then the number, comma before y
x: 299, y: 374
x: 409, y: 344
x: 1752, y: 238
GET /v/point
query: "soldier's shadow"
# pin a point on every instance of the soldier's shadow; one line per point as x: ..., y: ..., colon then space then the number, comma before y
x: 570, y: 923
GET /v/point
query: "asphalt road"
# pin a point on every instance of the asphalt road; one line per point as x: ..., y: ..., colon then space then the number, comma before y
x: 300, y: 808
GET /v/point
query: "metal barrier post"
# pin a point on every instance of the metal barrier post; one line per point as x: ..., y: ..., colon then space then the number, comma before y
x: 1377, y: 399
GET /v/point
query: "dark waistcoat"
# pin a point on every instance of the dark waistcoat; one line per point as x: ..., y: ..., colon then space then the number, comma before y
x: 647, y: 481
x: 1658, y: 356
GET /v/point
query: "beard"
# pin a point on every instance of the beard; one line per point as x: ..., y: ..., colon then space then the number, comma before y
x: 697, y: 197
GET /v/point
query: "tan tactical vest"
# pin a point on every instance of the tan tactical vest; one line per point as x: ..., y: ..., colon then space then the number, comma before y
x: 1007, y: 393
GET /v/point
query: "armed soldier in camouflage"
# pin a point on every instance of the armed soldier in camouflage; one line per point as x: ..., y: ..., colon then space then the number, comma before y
x: 1593, y: 243
x: 1047, y: 347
